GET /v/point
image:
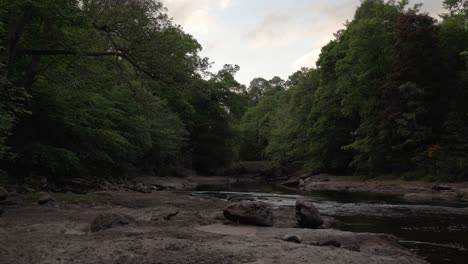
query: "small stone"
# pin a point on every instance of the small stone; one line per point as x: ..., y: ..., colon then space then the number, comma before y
x: 250, y: 213
x: 332, y: 243
x: 106, y: 221
x: 217, y: 216
x: 44, y: 198
x: 292, y: 238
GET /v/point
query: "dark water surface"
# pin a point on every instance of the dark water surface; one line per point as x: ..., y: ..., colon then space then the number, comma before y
x: 438, y: 232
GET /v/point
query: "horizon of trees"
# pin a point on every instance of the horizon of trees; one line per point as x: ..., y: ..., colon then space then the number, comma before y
x: 101, y: 88
x: 389, y: 96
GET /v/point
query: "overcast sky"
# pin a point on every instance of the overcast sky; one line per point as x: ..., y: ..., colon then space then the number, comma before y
x: 266, y: 38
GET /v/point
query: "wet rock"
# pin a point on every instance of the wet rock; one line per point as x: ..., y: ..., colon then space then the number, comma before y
x: 292, y: 238
x: 250, y: 213
x: 275, y: 174
x: 428, y: 197
x: 291, y: 183
x: 307, y: 215
x: 44, y: 198
x: 3, y: 194
x: 331, y: 223
x: 417, y: 197
x: 439, y: 187
x: 107, y: 221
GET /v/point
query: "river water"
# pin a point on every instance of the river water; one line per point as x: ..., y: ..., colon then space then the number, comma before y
x: 438, y: 232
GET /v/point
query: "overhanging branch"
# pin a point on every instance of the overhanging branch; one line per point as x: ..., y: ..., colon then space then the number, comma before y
x: 120, y: 54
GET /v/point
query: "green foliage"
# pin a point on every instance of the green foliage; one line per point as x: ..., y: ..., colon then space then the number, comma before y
x: 388, y: 96
x: 112, y: 88
x: 103, y: 88
x: 13, y: 102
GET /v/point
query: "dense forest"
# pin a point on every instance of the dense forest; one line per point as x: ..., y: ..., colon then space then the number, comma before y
x: 101, y: 88
x: 389, y: 96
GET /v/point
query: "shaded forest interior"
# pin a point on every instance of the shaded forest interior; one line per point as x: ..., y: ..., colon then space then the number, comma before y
x: 102, y: 89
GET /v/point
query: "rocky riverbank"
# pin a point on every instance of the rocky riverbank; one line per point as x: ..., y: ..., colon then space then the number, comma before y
x: 411, y: 191
x: 129, y: 227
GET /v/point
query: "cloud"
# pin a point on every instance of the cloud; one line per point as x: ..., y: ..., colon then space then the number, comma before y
x: 226, y: 3
x: 197, y: 17
x: 270, y: 31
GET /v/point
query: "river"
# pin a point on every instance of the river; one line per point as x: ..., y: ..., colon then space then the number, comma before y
x: 438, y: 232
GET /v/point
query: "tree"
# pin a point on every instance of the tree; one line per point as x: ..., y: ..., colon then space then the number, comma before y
x: 260, y: 87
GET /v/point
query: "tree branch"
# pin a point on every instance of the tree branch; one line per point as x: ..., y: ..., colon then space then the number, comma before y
x: 120, y: 54
x: 70, y: 52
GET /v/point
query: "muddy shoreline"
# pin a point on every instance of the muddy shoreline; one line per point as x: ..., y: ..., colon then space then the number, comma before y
x: 172, y: 227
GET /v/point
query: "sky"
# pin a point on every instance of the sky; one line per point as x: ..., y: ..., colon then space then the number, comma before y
x: 267, y: 38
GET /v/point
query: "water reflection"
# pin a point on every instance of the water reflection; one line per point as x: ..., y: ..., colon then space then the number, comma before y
x: 438, y: 232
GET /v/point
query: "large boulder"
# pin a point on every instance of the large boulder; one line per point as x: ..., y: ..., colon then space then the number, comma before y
x: 307, y: 215
x: 250, y: 213
x: 107, y: 221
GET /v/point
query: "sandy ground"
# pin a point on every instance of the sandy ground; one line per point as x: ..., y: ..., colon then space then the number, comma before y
x: 174, y: 228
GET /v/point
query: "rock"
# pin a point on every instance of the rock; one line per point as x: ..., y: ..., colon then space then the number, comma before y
x: 217, y: 216
x: 441, y: 188
x: 291, y: 183
x: 24, y: 190
x: 307, y: 215
x: 435, y: 197
x: 171, y: 215
x: 139, y: 187
x: 44, y: 198
x: 3, y: 194
x: 331, y: 223
x: 1, y: 210
x: 107, y: 221
x: 332, y: 243
x: 103, y: 194
x: 10, y: 201
x: 292, y: 238
x: 76, y: 185
x: 319, y: 178
x: 250, y: 213
x: 275, y: 174
x: 464, y: 192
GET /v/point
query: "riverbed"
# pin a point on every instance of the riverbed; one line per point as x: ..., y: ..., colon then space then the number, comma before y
x: 436, y: 231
